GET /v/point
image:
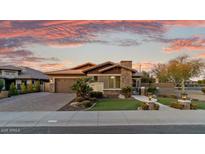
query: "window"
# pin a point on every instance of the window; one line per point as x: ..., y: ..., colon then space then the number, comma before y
x: 95, y: 78
x: 111, y: 81
x: 114, y: 82
x: 117, y: 82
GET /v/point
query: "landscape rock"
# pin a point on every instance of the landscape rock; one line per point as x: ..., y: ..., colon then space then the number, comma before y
x: 121, y: 96
x: 74, y: 104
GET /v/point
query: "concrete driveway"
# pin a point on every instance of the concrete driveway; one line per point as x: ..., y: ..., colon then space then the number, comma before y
x: 41, y: 101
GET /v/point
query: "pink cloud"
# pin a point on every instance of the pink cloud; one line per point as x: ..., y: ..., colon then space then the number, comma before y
x: 194, y: 43
x: 201, y: 55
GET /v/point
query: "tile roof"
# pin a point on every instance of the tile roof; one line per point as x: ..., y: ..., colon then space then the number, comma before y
x: 99, y: 65
x: 77, y: 70
x: 117, y: 65
x: 29, y: 73
x: 66, y: 71
x: 10, y: 67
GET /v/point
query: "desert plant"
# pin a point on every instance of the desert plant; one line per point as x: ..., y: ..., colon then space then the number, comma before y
x: 1, y: 84
x: 82, y: 87
x: 193, y: 106
x: 156, y: 106
x: 127, y: 91
x: 96, y: 94
x: 12, y: 90
x: 144, y: 106
x: 23, y: 88
x: 177, y: 105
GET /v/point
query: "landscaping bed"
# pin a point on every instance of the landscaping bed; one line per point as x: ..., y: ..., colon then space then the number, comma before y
x: 169, y: 101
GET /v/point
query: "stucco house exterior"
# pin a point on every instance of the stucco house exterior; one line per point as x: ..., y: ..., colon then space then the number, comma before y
x: 17, y: 75
x: 109, y: 77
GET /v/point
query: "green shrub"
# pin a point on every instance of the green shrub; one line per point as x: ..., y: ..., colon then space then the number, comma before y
x: 203, y: 90
x: 177, y: 105
x: 37, y: 86
x: 30, y: 88
x: 23, y: 88
x: 193, y: 106
x: 145, y: 106
x: 12, y: 90
x: 96, y: 94
x: 34, y: 88
x: 127, y: 91
x: 152, y: 90
x: 1, y: 84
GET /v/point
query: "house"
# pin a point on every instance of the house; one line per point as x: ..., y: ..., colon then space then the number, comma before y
x: 109, y: 77
x: 17, y: 75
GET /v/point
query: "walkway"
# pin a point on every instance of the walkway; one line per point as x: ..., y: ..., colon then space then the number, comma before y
x: 162, y: 106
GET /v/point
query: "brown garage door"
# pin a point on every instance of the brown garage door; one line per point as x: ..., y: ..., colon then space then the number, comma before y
x: 63, y: 85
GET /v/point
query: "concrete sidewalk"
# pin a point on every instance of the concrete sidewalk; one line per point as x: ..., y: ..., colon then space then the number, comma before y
x: 101, y: 118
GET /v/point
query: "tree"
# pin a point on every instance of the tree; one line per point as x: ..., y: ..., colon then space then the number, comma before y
x: 179, y: 70
x: 161, y: 72
x: 146, y: 78
x: 82, y: 87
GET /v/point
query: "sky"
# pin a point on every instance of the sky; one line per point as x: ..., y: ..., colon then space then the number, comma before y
x: 56, y: 44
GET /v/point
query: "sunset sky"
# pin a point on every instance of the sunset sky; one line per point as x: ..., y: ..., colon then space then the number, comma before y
x: 53, y: 45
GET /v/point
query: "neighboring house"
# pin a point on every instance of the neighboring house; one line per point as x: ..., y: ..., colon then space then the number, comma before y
x: 17, y: 75
x: 109, y: 77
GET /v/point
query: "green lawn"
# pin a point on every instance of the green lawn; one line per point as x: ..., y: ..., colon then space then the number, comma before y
x: 116, y: 104
x: 168, y: 101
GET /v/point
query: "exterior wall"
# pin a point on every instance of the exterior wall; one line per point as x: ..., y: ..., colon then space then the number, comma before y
x: 126, y: 78
x: 126, y: 63
x: 116, y: 70
x: 103, y: 79
x: 10, y: 74
x: 97, y: 86
x: 160, y: 85
x: 126, y: 75
x: 112, y: 93
x: 47, y: 87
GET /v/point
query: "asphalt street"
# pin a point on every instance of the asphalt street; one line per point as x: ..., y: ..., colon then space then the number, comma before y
x: 137, y: 129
